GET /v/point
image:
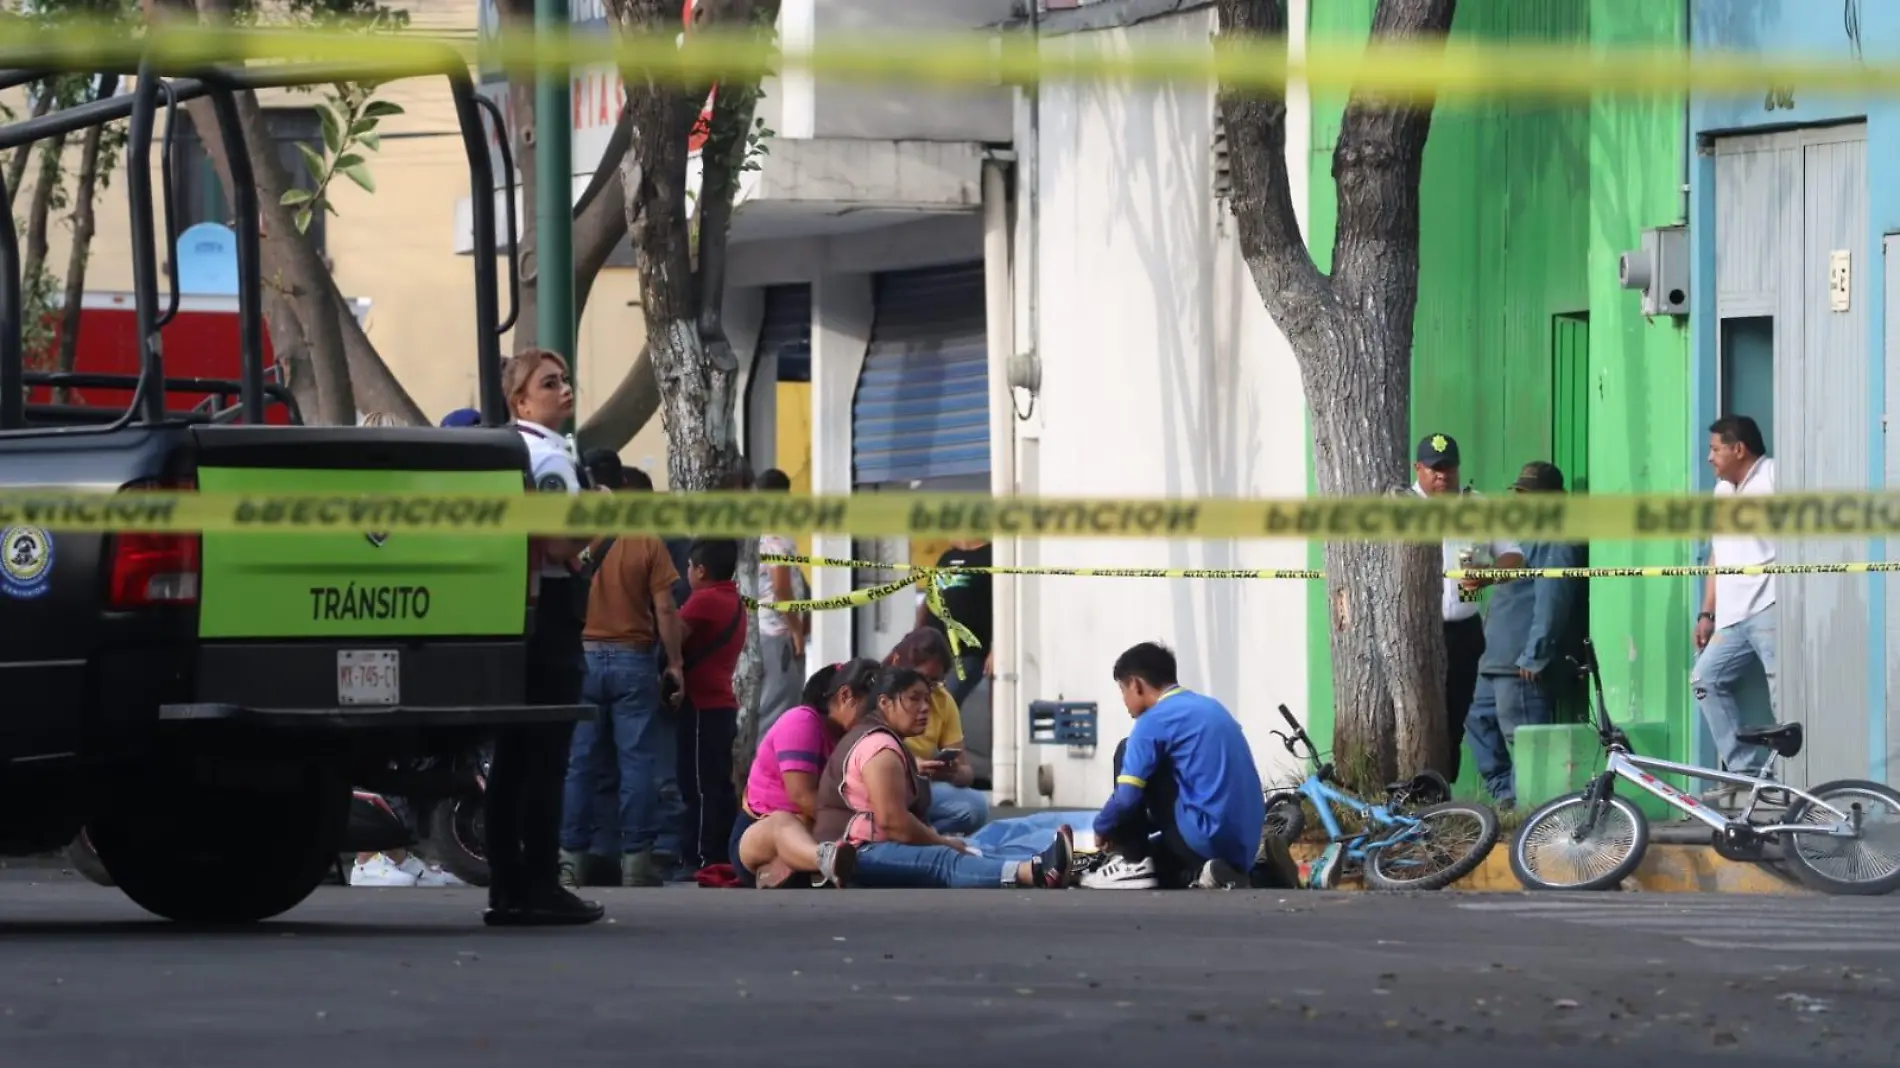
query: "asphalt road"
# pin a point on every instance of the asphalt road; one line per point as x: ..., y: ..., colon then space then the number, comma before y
x: 971, y: 979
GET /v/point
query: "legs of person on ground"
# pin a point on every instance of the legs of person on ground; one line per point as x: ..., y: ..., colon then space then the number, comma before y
x: 705, y: 771
x: 957, y: 810
x: 780, y: 846
x: 1716, y: 681
x: 895, y: 866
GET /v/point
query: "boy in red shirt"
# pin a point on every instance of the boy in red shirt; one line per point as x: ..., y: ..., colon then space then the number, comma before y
x: 715, y: 620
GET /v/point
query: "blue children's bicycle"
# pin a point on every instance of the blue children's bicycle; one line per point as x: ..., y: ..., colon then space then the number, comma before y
x: 1397, y: 845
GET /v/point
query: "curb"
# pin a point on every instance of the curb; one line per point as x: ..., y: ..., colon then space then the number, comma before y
x: 1666, y: 869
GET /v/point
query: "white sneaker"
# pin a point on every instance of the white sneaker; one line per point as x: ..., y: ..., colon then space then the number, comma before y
x: 428, y: 874
x: 1119, y: 874
x: 378, y: 870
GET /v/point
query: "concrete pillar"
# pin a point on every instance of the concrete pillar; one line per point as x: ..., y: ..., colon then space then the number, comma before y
x: 841, y: 310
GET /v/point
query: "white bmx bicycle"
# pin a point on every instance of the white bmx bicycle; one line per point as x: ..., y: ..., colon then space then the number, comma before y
x: 1841, y: 837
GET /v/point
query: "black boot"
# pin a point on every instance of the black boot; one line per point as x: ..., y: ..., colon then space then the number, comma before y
x: 548, y: 906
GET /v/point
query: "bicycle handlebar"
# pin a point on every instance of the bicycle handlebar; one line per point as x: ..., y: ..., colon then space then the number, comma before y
x: 1290, y: 721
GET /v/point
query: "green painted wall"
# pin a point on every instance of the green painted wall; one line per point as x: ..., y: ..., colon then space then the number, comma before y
x: 1640, y: 437
x: 1518, y: 250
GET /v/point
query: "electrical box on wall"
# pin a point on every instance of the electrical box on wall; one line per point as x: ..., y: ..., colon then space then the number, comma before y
x: 1659, y: 270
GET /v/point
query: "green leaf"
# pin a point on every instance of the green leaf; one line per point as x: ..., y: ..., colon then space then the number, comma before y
x: 348, y: 160
x: 361, y: 127
x: 378, y: 109
x: 370, y: 141
x: 359, y: 174
x: 303, y: 220
x: 332, y: 129
x: 310, y: 157
x: 296, y: 196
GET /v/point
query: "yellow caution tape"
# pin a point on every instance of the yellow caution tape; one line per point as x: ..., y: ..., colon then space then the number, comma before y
x: 1415, y: 70
x: 1395, y: 518
x: 1504, y: 574
x: 854, y: 599
x: 1071, y: 572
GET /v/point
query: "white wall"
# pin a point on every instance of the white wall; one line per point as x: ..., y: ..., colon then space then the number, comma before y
x: 1162, y: 375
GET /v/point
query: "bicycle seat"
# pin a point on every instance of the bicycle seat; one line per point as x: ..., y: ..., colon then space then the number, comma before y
x: 1784, y: 739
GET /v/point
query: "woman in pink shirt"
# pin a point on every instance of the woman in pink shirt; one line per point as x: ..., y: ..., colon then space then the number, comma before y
x: 772, y: 839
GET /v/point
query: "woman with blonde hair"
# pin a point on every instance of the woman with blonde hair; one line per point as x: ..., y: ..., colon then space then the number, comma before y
x: 530, y: 764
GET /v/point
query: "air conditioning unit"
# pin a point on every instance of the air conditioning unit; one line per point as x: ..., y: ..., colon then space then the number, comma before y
x: 1659, y: 270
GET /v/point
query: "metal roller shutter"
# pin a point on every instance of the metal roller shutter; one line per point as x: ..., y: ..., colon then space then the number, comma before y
x: 786, y: 330
x: 922, y: 409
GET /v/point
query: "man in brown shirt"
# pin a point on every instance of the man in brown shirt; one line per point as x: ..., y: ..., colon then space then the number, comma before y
x: 630, y: 617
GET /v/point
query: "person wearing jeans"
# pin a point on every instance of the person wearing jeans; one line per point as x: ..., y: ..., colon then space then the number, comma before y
x: 1533, y: 625
x: 629, y: 602
x: 872, y: 795
x: 1735, y: 631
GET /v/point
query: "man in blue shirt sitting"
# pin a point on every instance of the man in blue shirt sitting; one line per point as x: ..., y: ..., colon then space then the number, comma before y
x: 1188, y: 807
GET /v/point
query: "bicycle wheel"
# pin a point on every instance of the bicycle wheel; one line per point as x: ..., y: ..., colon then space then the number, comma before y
x: 1548, y: 855
x: 1869, y: 864
x: 1286, y: 818
x: 1451, y: 840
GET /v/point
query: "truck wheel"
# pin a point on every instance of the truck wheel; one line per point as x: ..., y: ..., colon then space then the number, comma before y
x: 196, y: 852
x: 85, y: 859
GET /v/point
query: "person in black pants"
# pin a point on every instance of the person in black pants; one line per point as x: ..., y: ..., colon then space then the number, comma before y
x: 1436, y: 467
x: 715, y: 620
x: 529, y: 769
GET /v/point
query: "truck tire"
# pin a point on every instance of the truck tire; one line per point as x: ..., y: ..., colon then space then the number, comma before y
x: 194, y: 852
x: 85, y: 859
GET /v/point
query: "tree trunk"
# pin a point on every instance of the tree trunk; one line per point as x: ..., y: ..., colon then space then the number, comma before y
x: 83, y: 226
x: 1352, y: 337
x: 39, y: 212
x: 518, y: 16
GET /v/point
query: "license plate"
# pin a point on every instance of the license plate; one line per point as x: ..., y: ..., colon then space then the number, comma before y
x: 368, y: 677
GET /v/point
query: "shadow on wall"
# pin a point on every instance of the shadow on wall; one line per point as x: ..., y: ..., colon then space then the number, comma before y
x: 1162, y: 203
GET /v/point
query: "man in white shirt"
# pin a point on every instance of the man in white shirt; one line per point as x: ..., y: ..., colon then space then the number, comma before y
x: 1436, y: 468
x: 1736, y: 628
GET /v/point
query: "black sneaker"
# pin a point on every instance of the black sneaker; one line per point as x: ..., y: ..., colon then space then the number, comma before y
x: 1053, y: 868
x: 551, y: 907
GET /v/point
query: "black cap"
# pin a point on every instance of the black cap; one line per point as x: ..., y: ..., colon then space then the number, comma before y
x: 1438, y: 450
x: 1539, y: 476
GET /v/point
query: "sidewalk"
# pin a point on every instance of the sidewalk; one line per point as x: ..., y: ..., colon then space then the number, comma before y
x: 1667, y: 868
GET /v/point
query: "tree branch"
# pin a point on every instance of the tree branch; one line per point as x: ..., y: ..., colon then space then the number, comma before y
x: 1380, y: 158
x: 1266, y: 222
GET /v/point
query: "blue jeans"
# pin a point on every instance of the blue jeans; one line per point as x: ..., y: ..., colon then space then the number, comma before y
x: 894, y: 866
x: 631, y: 739
x: 1502, y: 704
x: 1722, y: 666
x: 957, y: 810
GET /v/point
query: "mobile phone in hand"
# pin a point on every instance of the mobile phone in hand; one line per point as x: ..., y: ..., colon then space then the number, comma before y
x: 948, y: 756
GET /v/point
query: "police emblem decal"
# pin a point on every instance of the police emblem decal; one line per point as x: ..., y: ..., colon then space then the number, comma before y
x: 26, y: 562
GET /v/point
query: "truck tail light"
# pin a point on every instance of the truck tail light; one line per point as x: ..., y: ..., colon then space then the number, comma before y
x: 154, y: 568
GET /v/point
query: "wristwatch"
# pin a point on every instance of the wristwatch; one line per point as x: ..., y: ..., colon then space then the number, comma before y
x: 1700, y: 616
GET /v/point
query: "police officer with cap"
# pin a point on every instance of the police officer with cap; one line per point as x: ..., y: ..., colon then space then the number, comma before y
x: 1436, y: 467
x: 530, y: 765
